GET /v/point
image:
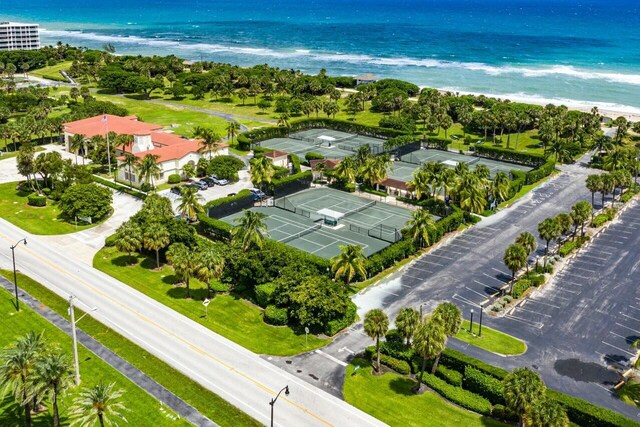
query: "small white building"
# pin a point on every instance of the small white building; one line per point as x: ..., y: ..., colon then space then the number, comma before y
x: 278, y: 158
x: 19, y: 36
x: 365, y: 79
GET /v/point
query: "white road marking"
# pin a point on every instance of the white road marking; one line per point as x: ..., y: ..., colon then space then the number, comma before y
x: 618, y: 348
x: 330, y: 357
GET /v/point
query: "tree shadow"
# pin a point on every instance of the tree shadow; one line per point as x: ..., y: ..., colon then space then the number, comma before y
x: 180, y: 292
x: 402, y: 386
x: 124, y: 261
x: 170, y: 279
x: 631, y: 339
x: 149, y: 263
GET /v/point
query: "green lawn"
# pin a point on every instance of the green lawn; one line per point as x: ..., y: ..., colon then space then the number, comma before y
x: 143, y: 408
x: 52, y: 72
x: 208, y: 403
x: 491, y: 340
x: 36, y: 220
x: 228, y: 315
x: 389, y: 398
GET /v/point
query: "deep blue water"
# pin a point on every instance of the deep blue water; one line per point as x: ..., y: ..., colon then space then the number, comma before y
x: 577, y: 51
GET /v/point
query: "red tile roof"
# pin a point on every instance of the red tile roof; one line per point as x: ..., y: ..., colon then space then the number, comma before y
x: 121, y: 125
x: 171, y: 152
x: 394, y: 183
x: 275, y: 154
x: 329, y: 164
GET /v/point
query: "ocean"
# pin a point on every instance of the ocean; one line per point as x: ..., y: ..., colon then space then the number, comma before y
x: 577, y: 52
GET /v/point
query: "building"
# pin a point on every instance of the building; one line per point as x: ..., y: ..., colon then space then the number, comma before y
x: 366, y: 79
x: 278, y: 158
x: 172, y: 151
x: 320, y: 166
x: 19, y: 36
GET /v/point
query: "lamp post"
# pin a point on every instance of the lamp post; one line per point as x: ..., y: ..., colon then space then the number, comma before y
x: 273, y: 401
x: 76, y: 363
x: 471, y: 323
x: 421, y: 310
x: 480, y: 330
x: 15, y: 276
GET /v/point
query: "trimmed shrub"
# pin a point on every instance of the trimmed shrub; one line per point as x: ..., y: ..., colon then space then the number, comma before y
x: 509, y: 155
x: 505, y: 414
x: 389, y: 256
x: 225, y: 167
x: 220, y: 287
x: 457, y: 395
x: 484, y: 385
x: 295, y: 161
x: 302, y: 176
x: 36, y: 200
x: 244, y: 143
x: 174, y: 178
x: 583, y: 413
x: 449, y: 375
x: 600, y: 220
x: 46, y: 191
x: 520, y: 287
x: 334, y: 326
x: 213, y: 227
x: 400, y: 366
x: 541, y: 171
x: 312, y: 155
x: 455, y: 360
x: 275, y: 316
x: 110, y: 241
x: 264, y: 294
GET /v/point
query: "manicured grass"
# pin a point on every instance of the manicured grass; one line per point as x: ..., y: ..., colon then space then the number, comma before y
x: 491, y: 340
x: 52, y: 72
x: 208, y: 403
x: 389, y: 398
x: 228, y: 314
x: 143, y: 409
x: 36, y: 220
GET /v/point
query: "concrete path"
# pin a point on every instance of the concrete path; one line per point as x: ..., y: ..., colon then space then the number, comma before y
x: 9, y: 168
x: 138, y: 377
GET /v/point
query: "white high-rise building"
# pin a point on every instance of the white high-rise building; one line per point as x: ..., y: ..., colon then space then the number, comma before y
x: 17, y: 36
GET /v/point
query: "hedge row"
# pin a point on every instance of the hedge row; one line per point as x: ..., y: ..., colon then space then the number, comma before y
x: 213, y: 227
x: 121, y: 188
x: 483, y: 384
x: 308, y: 175
x: 400, y: 141
x: 458, y: 395
x: 295, y: 161
x: 541, y: 171
x: 437, y: 142
x: 264, y: 293
x: 275, y: 316
x: 225, y: 200
x: 499, y: 153
x: 336, y: 325
x: 36, y: 200
x: 583, y: 413
x: 389, y: 256
x: 571, y: 245
x: 451, y: 376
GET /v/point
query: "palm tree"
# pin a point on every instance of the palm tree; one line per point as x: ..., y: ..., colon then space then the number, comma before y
x: 451, y: 318
x: 189, y: 203
x: 565, y: 222
x: 528, y: 242
x: 419, y: 226
x: 76, y: 143
x: 261, y: 171
x: 548, y: 230
x: 184, y: 263
x: 580, y: 213
x: 349, y: 263
x: 129, y: 238
x: 283, y: 120
x: 149, y: 169
x: 608, y: 185
x: 421, y: 183
x: 209, y: 141
x: 210, y: 266
x: 250, y: 230
x: 346, y: 170
x: 98, y: 403
x: 155, y: 237
x: 515, y: 257
x: 232, y: 130
x: 472, y: 197
x: 594, y: 185
x: 546, y: 413
x: 129, y: 162
x: 376, y: 325
x: 523, y: 388
x: 407, y: 321
x: 500, y: 187
x: 52, y: 378
x: 428, y: 342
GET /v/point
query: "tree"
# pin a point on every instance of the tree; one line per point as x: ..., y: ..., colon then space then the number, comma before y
x: 129, y: 162
x: 52, y: 378
x: 98, y: 403
x: 154, y: 238
x: 376, y: 325
x: 515, y: 257
x: 261, y: 171
x: 565, y: 222
x: 407, y: 322
x: 243, y: 94
x: 250, y: 230
x: 594, y: 185
x: 451, y: 318
x: 48, y: 165
x: 420, y: 225
x: 548, y: 230
x: 77, y: 144
x: 528, y: 242
x: 428, y: 342
x: 346, y: 170
x: 149, y: 169
x: 350, y: 263
x: 129, y: 238
x: 500, y: 187
x: 209, y: 141
x: 25, y: 161
x: 546, y: 413
x: 580, y: 213
x: 184, y: 262
x: 86, y: 201
x: 210, y: 266
x: 470, y: 191
x: 523, y: 388
x: 608, y: 185
x: 232, y: 130
x: 189, y: 203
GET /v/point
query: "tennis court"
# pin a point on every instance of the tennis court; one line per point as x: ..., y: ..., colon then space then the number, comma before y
x: 332, y: 144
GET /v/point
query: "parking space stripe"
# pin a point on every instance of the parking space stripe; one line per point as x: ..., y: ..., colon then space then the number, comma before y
x: 626, y: 327
x: 537, y: 325
x: 543, y: 303
x: 487, y: 286
x: 618, y: 348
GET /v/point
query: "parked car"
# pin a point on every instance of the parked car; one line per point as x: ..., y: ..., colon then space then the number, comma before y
x: 199, y: 183
x: 176, y: 190
x: 219, y: 181
x: 231, y: 194
x: 257, y: 194
x: 210, y: 182
x: 192, y: 185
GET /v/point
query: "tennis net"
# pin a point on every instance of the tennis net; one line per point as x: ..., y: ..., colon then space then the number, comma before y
x: 359, y: 209
x: 302, y: 233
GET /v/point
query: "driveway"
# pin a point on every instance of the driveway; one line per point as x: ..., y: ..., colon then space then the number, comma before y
x: 9, y: 168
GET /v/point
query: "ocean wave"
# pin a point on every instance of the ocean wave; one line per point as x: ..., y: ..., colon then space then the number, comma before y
x: 557, y: 70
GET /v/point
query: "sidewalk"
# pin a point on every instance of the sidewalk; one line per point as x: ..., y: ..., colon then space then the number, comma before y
x: 138, y: 377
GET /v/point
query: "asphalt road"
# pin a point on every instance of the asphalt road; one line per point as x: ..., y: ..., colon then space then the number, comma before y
x: 239, y: 376
x: 469, y: 268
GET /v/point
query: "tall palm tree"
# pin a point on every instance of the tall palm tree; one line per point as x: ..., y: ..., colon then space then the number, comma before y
x: 420, y: 184
x: 189, y: 203
x: 500, y: 187
x: 129, y: 162
x: 129, y: 238
x: 515, y: 257
x: 546, y: 413
x: 350, y: 263
x: 184, y: 263
x: 523, y: 388
x: 52, y: 378
x: 472, y: 196
x: 346, y: 170
x: 149, y: 169
x: 76, y: 144
x: 99, y: 403
x: 580, y: 213
x: 608, y: 185
x: 250, y: 230
x: 376, y: 325
x: 548, y: 230
x: 528, y: 242
x: 209, y: 141
x: 155, y: 237
x: 451, y: 318
x: 419, y: 226
x: 210, y: 266
x: 428, y: 342
x: 594, y: 185
x: 407, y: 322
x: 261, y: 171
x: 232, y: 130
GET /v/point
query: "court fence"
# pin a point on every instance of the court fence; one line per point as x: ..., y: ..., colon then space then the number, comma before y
x: 380, y: 231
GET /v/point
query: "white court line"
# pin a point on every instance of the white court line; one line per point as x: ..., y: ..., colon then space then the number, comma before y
x: 487, y: 286
x: 618, y: 348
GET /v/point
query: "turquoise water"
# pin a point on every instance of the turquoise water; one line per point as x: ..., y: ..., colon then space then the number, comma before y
x: 580, y: 52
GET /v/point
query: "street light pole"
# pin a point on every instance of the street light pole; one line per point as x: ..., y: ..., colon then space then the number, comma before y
x: 273, y: 401
x: 15, y: 275
x: 480, y: 330
x: 471, y: 323
x: 72, y: 313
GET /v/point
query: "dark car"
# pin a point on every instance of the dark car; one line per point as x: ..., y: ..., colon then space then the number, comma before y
x: 210, y: 182
x: 231, y: 194
x: 176, y: 190
x: 199, y: 183
x: 193, y: 185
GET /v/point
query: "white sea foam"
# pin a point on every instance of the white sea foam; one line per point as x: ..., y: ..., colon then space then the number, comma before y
x: 558, y: 70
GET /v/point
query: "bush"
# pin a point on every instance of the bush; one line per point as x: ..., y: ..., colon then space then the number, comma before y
x: 449, y: 375
x: 305, y: 177
x: 334, y: 326
x: 541, y: 171
x: 35, y: 200
x: 86, y: 200
x: 458, y: 395
x: 264, y: 294
x: 455, y: 360
x: 225, y: 167
x: 504, y: 414
x: 504, y: 154
x: 572, y: 245
x: 46, y: 191
x: 312, y: 155
x: 520, y: 287
x: 213, y: 227
x: 174, y: 178
x: 400, y: 366
x: 599, y: 220
x: 583, y: 413
x: 295, y: 161
x: 389, y: 256
x: 244, y: 143
x: 110, y: 241
x: 220, y: 287
x: 484, y: 385
x: 275, y: 316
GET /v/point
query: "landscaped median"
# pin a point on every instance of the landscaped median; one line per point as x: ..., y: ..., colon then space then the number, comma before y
x: 491, y: 340
x: 206, y: 402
